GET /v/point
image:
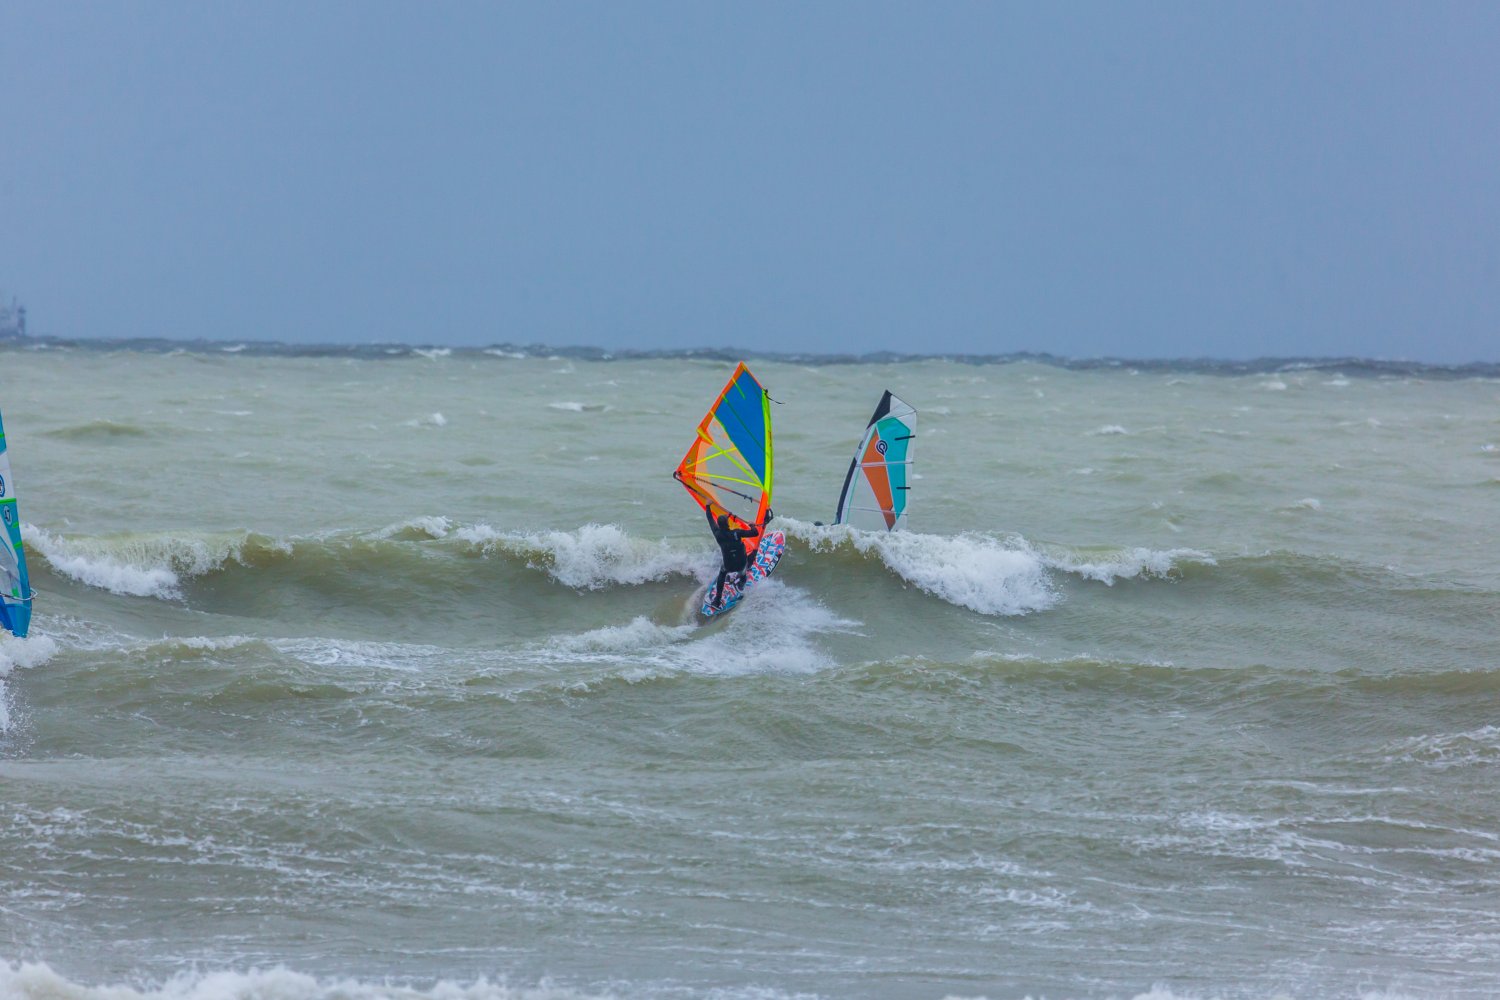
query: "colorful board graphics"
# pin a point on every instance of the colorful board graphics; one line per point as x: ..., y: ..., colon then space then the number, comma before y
x: 728, y: 466
x: 767, y: 555
x: 15, y: 584
x: 876, y: 487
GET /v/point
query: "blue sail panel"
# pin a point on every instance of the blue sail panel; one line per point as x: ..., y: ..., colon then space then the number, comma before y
x: 728, y: 465
x: 15, y: 582
x: 742, y: 414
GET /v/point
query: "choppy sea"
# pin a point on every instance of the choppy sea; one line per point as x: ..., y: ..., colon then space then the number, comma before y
x: 372, y: 673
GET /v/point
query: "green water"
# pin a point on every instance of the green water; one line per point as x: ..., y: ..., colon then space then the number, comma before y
x: 383, y: 672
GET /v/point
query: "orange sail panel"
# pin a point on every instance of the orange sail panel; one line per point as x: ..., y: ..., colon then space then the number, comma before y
x: 877, y: 484
x: 728, y: 466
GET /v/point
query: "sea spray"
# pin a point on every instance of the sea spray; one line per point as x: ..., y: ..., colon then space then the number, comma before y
x: 985, y: 574
x: 590, y: 557
x: 143, y: 564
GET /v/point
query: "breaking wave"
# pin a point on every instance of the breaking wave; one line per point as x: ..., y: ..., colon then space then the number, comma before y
x: 588, y: 558
x: 159, y: 565
x: 969, y: 570
x: 139, y: 565
x: 1110, y: 565
x: 1002, y: 575
x: 38, y: 981
x: 995, y: 576
x: 990, y: 575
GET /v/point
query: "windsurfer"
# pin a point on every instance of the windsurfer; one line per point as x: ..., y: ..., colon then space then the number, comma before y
x: 731, y: 544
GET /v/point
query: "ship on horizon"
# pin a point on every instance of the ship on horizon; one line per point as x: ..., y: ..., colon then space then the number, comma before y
x: 12, y: 320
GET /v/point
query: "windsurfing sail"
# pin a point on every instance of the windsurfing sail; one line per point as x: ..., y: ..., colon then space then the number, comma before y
x: 728, y: 466
x: 15, y: 584
x: 879, y: 477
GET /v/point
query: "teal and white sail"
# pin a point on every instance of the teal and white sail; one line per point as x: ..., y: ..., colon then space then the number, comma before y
x: 15, y: 584
x: 879, y: 477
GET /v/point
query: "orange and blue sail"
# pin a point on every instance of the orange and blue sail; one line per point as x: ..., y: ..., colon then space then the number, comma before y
x: 15, y: 583
x: 728, y: 467
x: 876, y: 487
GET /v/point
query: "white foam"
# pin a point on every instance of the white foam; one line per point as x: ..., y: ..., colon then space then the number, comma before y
x: 573, y: 406
x: 1449, y: 750
x: 205, y: 643
x: 481, y: 536
x: 429, y: 525
x: 969, y: 570
x: 432, y: 353
x: 134, y: 565
x: 1307, y: 503
x: 23, y: 654
x: 1274, y: 385
x: 1108, y: 429
x: 598, y: 555
x: 1125, y: 564
x: 37, y: 981
x: 322, y: 652
x: 591, y: 557
x: 639, y: 634
x: 20, y: 654
x: 772, y: 631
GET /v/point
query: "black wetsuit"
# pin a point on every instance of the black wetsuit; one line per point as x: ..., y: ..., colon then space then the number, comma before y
x: 732, y: 546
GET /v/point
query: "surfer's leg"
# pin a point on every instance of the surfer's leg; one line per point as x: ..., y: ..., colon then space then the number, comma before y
x: 718, y: 591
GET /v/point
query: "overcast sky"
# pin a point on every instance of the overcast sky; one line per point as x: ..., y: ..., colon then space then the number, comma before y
x: 1126, y: 179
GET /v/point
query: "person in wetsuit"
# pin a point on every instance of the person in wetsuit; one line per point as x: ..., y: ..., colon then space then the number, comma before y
x: 731, y: 544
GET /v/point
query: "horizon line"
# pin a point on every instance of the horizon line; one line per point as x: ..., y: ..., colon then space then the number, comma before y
x: 382, y: 350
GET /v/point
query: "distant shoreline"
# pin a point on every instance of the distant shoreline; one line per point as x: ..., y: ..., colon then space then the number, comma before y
x: 1365, y: 367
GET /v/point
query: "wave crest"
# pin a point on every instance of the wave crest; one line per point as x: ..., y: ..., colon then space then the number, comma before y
x: 98, y: 432
x: 591, y: 557
x: 138, y: 565
x: 969, y: 570
x: 37, y: 981
x: 1107, y: 566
